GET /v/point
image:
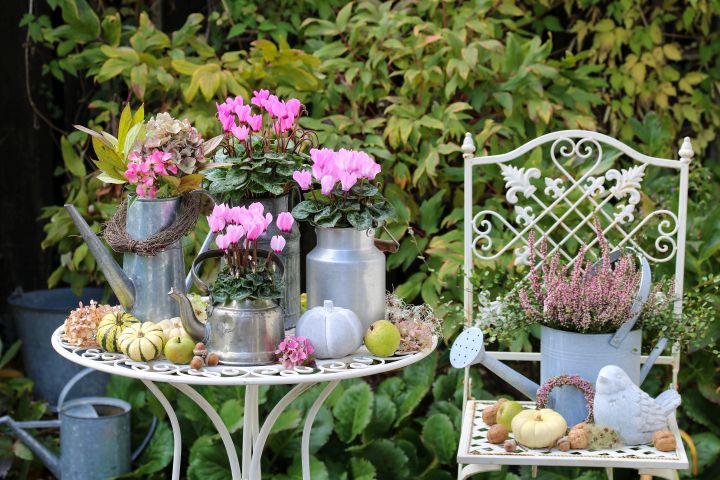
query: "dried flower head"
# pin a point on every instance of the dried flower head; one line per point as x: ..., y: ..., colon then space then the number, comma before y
x: 81, y: 325
x: 176, y: 137
x: 417, y: 323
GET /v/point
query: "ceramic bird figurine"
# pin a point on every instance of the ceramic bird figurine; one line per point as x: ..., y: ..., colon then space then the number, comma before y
x: 632, y: 413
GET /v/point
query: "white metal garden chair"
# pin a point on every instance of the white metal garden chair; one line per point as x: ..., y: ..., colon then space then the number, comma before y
x: 588, y: 175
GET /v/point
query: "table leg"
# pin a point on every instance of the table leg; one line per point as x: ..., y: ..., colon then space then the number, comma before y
x: 250, y: 425
x: 305, y: 445
x: 296, y: 391
x: 219, y: 426
x: 177, y: 440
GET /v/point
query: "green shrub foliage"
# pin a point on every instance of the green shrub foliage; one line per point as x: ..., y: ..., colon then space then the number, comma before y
x: 403, y: 80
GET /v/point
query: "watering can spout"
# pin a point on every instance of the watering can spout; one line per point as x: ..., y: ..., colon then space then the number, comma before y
x: 469, y: 349
x: 49, y: 459
x: 118, y: 280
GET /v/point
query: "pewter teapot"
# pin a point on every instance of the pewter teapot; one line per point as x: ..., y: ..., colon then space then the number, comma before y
x: 241, y: 333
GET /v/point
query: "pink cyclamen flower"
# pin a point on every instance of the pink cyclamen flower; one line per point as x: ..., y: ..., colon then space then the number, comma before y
x: 259, y: 97
x: 326, y: 184
x: 235, y: 233
x: 347, y: 180
x: 303, y: 178
x: 222, y: 241
x: 241, y: 133
x: 255, y: 122
x: 227, y: 120
x: 277, y: 243
x: 285, y: 221
x: 293, y: 107
x: 242, y: 112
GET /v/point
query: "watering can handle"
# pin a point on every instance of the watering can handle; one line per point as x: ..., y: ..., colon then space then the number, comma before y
x: 73, y: 381
x: 640, y: 299
x: 650, y: 361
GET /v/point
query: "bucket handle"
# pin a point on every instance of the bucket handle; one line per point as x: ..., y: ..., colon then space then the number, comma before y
x: 72, y: 382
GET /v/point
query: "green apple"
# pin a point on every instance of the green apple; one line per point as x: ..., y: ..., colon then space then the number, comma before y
x: 506, y: 412
x: 382, y: 338
x: 179, y: 350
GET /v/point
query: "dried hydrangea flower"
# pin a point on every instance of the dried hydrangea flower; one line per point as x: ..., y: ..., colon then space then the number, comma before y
x: 417, y: 324
x: 81, y: 325
x: 177, y: 137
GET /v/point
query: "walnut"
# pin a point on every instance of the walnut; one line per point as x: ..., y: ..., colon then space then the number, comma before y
x: 489, y: 414
x: 497, y: 434
x: 510, y: 445
x: 563, y: 444
x: 664, y: 441
x: 579, y: 436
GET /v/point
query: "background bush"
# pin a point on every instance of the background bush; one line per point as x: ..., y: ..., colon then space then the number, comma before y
x: 403, y: 80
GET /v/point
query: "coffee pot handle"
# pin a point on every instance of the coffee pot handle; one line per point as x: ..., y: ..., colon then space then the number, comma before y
x: 216, y: 253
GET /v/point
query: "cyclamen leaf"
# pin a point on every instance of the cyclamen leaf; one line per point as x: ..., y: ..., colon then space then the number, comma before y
x: 328, y: 217
x: 361, y: 220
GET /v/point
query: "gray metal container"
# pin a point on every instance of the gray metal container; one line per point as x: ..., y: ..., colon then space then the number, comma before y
x: 583, y: 354
x: 94, y: 446
x: 290, y: 256
x: 348, y: 269
x: 154, y: 276
x: 37, y: 314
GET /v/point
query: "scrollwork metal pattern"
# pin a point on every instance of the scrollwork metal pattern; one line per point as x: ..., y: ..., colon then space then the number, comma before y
x: 612, y: 196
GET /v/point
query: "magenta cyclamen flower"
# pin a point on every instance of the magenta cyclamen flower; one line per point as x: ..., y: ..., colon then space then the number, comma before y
x: 285, y: 221
x: 277, y: 243
x: 303, y: 178
x: 295, y: 352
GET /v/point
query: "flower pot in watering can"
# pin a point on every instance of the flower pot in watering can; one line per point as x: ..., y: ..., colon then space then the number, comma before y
x: 290, y: 256
x: 347, y: 268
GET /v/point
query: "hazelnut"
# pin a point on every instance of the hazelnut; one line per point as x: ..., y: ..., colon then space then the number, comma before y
x: 200, y: 346
x: 664, y: 441
x: 489, y: 414
x: 579, y: 436
x: 563, y: 444
x: 510, y: 445
x: 212, y: 359
x: 497, y: 434
x: 196, y: 363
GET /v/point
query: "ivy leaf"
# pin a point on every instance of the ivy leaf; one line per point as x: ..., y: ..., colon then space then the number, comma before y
x: 439, y: 436
x: 352, y: 412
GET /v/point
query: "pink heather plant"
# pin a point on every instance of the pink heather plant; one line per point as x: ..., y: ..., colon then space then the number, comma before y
x: 578, y: 300
x: 295, y: 352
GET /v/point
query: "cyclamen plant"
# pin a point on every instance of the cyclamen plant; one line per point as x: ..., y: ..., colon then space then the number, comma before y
x: 249, y: 273
x: 262, y: 146
x: 347, y: 196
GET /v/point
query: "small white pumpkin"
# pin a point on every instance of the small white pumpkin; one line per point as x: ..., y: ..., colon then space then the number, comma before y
x: 142, y: 342
x: 538, y: 428
x: 334, y: 332
x: 172, y: 327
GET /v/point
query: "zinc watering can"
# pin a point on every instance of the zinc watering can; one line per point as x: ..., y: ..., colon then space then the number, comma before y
x: 563, y: 352
x: 94, y: 437
x: 142, y: 283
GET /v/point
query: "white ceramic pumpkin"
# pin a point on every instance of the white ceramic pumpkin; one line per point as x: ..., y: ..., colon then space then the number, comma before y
x: 538, y: 428
x: 142, y: 342
x: 172, y: 327
x: 334, y: 332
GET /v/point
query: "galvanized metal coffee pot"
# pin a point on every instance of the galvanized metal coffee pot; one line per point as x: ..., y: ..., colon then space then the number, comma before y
x: 141, y: 285
x: 241, y: 333
x: 347, y: 268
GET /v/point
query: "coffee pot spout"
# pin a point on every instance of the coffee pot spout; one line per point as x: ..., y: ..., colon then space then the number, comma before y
x: 190, y: 322
x: 120, y: 283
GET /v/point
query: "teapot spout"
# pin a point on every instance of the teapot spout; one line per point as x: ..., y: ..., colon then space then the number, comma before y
x: 50, y: 460
x: 194, y: 327
x: 118, y: 280
x: 469, y: 349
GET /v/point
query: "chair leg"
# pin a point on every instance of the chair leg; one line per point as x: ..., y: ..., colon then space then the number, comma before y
x: 609, y: 473
x: 468, y: 471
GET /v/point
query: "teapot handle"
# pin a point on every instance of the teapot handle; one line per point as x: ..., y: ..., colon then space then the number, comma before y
x: 217, y: 253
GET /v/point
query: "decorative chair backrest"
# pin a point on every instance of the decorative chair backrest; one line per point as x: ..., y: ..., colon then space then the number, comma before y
x: 587, y: 176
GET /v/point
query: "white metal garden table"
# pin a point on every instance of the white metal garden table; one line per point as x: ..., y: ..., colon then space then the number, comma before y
x: 182, y: 377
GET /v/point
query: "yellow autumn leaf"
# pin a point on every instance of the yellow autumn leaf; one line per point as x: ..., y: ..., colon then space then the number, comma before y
x: 672, y: 52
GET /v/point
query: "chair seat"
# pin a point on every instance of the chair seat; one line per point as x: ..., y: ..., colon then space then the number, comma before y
x: 475, y: 449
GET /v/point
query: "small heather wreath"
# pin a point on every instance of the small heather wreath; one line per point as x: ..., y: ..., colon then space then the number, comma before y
x: 563, y: 380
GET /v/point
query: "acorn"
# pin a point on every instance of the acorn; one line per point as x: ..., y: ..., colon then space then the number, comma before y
x: 563, y: 444
x: 196, y: 363
x: 212, y: 359
x: 510, y: 445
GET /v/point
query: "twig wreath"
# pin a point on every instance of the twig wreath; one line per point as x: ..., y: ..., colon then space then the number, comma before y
x: 564, y: 380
